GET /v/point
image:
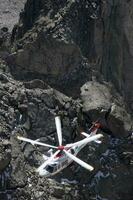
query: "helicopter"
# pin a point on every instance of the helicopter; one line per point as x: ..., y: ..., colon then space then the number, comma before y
x: 64, y: 155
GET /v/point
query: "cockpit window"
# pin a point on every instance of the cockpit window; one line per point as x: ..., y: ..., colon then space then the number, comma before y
x: 72, y: 151
x: 49, y: 168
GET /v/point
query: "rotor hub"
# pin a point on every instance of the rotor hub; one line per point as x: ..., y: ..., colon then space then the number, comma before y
x: 61, y: 148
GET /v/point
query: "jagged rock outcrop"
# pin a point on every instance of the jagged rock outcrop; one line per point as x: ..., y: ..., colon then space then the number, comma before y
x: 27, y: 109
x: 51, y: 49
x: 97, y: 30
x: 117, y: 56
x: 4, y: 42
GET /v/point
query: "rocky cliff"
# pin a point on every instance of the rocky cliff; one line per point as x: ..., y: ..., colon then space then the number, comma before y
x: 98, y: 30
x: 59, y: 50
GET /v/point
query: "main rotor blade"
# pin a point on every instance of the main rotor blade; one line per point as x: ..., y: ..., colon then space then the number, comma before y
x: 36, y: 142
x: 41, y: 168
x: 89, y: 135
x: 85, y: 134
x: 80, y: 162
x: 86, y: 140
x: 58, y: 128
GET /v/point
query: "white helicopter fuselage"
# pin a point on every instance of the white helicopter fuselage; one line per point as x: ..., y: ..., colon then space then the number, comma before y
x: 64, y: 155
x: 60, y: 162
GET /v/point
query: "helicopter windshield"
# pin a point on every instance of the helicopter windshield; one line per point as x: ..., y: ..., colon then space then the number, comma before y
x: 50, y: 168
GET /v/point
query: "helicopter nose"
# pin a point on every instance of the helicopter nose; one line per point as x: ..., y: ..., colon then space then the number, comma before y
x: 43, y: 172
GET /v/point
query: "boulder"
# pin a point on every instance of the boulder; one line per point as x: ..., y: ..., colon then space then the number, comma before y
x: 101, y: 98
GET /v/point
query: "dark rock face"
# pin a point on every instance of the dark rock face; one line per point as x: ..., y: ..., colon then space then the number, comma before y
x: 63, y: 14
x: 98, y: 30
x: 117, y: 46
x: 57, y: 63
x: 54, y: 45
x: 4, y: 42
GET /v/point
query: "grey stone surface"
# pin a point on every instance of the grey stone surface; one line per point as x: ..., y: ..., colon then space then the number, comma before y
x: 9, y: 12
